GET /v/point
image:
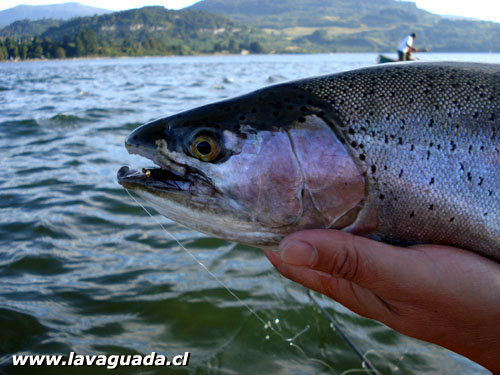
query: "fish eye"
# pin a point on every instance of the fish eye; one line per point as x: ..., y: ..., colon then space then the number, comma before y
x: 205, y: 148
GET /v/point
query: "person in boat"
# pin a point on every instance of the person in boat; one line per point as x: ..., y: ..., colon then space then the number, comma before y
x: 406, y: 48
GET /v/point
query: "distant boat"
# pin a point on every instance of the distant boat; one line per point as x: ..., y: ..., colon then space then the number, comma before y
x: 382, y: 59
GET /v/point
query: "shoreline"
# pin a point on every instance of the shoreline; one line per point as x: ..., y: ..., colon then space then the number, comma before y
x: 226, y: 54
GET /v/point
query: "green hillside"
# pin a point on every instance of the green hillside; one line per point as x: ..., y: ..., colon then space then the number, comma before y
x: 357, y: 25
x: 137, y: 32
x: 25, y: 28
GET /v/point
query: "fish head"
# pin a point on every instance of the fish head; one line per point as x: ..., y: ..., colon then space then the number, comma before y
x: 251, y: 169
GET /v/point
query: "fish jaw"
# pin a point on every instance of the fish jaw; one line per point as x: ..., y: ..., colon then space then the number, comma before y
x: 216, y: 218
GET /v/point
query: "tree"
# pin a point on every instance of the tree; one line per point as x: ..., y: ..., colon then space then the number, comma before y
x: 60, y: 53
x: 4, y: 55
x: 79, y: 46
x: 233, y: 46
x: 256, y: 47
x: 12, y: 49
x: 36, y: 50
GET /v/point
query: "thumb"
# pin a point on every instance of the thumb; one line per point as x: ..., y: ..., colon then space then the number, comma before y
x: 360, y: 260
x: 355, y: 271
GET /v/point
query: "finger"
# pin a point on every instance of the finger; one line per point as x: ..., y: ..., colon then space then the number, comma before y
x: 367, y: 263
x: 356, y: 298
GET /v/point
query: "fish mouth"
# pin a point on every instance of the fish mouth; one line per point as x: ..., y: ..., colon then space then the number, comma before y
x: 160, y: 179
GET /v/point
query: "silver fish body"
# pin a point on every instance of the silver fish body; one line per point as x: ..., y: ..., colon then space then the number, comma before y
x: 403, y: 152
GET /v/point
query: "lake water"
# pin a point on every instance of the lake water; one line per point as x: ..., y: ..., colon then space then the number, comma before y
x: 84, y: 269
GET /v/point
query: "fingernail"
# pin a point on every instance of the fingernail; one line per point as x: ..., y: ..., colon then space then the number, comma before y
x: 297, y: 253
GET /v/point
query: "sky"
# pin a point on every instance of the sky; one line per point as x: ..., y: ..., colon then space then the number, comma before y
x: 480, y: 9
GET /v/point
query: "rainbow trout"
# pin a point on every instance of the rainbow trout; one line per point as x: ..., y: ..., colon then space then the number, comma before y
x: 400, y: 152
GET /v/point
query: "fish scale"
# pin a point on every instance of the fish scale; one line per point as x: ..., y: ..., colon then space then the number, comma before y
x: 427, y: 137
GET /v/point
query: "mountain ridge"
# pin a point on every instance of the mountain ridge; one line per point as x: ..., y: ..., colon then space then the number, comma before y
x: 55, y: 11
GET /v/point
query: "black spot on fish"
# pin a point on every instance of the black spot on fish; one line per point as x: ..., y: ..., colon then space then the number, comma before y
x: 431, y: 123
x: 362, y: 157
x: 381, y: 197
x: 302, y: 119
x: 243, y: 118
x: 432, y: 181
x: 374, y: 168
x: 412, y: 214
x: 452, y: 219
x: 401, y: 173
x: 431, y: 207
x: 469, y: 176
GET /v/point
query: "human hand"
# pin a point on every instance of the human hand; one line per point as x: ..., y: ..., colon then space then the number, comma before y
x: 440, y: 294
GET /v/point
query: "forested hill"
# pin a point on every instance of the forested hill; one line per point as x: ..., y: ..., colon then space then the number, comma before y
x: 136, y: 32
x: 357, y: 25
x: 280, y: 14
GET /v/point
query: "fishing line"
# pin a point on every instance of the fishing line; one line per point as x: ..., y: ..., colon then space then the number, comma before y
x: 252, y: 311
x: 364, y: 359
